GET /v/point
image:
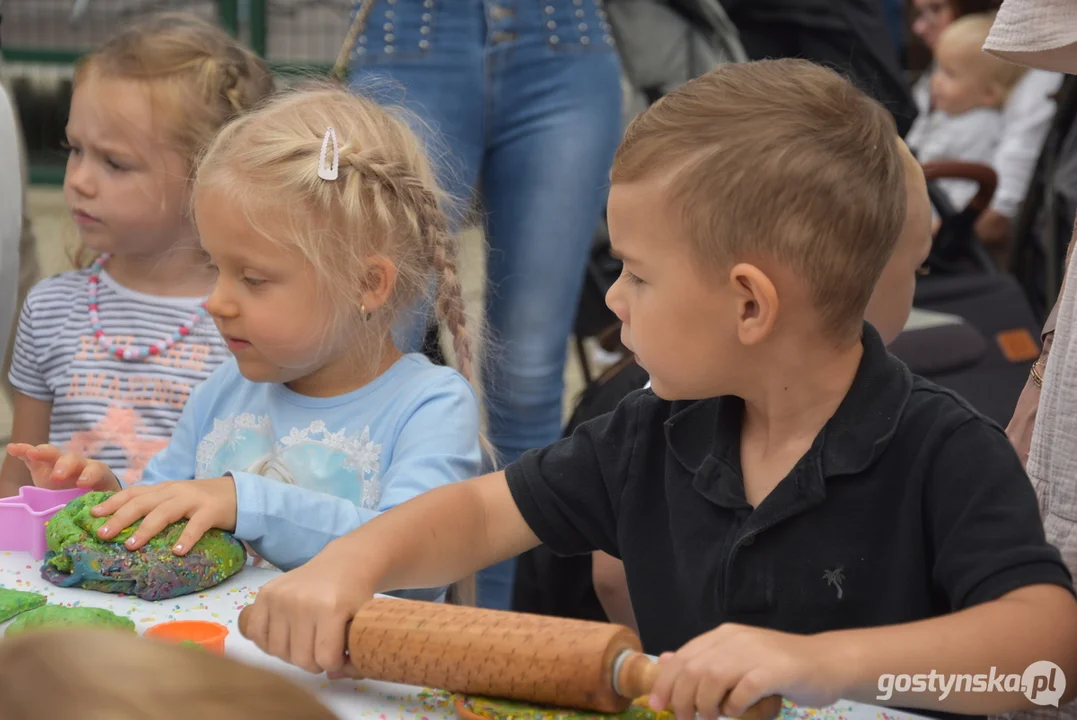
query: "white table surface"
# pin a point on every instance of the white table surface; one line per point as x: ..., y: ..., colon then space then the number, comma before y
x: 349, y: 699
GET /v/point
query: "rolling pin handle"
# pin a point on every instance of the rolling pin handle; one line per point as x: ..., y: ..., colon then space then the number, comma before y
x: 634, y: 675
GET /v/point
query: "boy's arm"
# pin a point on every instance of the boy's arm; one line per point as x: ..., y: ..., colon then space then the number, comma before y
x: 1004, y: 636
x: 432, y: 540
x: 565, y: 494
x: 1010, y: 593
x: 1007, y: 602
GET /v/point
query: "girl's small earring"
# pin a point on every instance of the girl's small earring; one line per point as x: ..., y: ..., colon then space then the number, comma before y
x: 363, y: 312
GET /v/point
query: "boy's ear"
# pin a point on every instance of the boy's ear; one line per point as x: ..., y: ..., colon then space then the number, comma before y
x: 757, y: 303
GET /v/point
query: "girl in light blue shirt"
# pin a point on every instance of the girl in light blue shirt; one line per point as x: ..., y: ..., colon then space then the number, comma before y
x: 324, y: 222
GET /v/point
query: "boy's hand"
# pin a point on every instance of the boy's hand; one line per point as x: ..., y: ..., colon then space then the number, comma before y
x: 206, y: 504
x: 727, y: 670
x: 56, y: 470
x: 302, y: 616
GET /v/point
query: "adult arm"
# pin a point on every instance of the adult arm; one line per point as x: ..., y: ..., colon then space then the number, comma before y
x: 1021, y: 425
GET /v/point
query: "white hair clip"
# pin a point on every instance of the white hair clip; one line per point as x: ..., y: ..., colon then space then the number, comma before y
x: 325, y: 171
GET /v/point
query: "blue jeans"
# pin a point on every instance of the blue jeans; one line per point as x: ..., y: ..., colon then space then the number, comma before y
x: 521, y: 101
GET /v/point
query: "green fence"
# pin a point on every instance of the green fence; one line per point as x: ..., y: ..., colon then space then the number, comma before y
x: 42, y: 40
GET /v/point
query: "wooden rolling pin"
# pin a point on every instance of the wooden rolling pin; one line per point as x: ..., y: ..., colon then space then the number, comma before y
x: 537, y: 659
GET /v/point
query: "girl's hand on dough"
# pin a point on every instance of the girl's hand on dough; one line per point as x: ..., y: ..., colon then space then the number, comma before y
x: 56, y: 470
x: 205, y: 504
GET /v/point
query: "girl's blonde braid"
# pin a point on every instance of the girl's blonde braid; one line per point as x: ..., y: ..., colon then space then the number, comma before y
x: 426, y: 216
x: 420, y: 206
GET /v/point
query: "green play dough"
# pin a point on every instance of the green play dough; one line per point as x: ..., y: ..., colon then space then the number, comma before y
x: 500, y: 709
x: 77, y: 557
x: 75, y: 522
x: 59, y: 616
x: 14, y: 602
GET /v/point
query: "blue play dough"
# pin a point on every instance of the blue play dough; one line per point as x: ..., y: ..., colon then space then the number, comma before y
x: 147, y: 575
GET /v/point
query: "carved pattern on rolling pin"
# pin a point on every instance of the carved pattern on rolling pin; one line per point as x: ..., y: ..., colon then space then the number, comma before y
x: 476, y: 651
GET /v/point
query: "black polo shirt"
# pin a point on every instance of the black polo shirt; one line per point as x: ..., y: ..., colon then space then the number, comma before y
x: 908, y: 505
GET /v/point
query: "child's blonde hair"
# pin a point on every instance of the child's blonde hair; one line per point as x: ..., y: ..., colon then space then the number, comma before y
x: 781, y: 158
x: 114, y: 675
x: 197, y: 75
x: 385, y: 202
x: 969, y: 33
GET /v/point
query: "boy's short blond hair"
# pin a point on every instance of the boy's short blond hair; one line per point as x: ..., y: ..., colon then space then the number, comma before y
x: 783, y: 159
x: 969, y: 33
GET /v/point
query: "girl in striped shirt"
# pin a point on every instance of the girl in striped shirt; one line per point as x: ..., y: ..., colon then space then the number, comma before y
x: 106, y: 356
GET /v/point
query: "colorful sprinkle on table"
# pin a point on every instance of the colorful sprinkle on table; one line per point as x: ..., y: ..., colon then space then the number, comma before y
x: 352, y: 700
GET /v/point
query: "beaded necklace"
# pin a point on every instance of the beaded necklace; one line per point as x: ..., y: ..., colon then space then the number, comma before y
x: 133, y: 352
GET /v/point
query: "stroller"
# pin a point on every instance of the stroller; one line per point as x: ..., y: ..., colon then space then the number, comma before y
x: 984, y: 326
x: 972, y: 329
x: 1045, y: 224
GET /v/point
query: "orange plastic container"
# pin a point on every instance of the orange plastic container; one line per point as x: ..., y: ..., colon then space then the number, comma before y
x: 209, y: 635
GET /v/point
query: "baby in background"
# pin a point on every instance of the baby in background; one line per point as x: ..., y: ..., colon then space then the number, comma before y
x: 968, y: 89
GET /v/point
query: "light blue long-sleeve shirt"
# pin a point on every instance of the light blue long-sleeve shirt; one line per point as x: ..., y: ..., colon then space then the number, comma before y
x: 309, y: 470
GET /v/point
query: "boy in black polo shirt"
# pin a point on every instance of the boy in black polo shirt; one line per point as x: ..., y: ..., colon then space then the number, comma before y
x: 797, y: 514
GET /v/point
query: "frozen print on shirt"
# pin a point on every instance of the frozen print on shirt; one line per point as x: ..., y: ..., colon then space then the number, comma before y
x: 336, y: 463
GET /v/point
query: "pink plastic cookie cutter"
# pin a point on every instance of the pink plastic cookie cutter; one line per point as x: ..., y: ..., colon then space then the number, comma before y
x: 23, y: 517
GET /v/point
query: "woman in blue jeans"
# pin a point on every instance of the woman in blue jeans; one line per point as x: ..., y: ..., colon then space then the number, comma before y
x: 523, y: 99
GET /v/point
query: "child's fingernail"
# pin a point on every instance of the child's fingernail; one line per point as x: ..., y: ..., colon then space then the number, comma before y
x: 130, y: 541
x: 104, y: 530
x: 178, y: 548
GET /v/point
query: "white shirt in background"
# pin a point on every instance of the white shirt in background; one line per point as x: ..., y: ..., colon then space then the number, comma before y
x: 1026, y: 118
x: 973, y: 137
